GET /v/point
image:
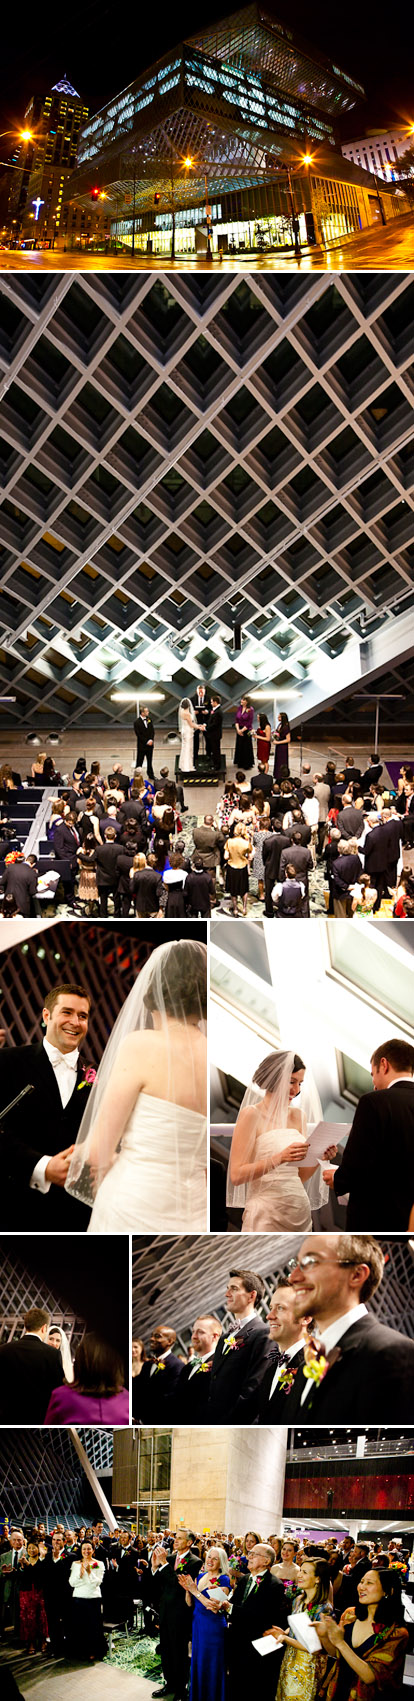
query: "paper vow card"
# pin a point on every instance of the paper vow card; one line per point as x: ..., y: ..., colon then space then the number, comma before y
x: 266, y: 1644
x: 305, y: 1633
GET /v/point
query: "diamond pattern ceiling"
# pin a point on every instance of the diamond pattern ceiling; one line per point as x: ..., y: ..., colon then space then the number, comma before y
x: 179, y: 453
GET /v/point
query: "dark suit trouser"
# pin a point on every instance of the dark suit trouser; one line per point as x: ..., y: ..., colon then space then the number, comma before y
x: 148, y: 751
x: 174, y: 1655
x: 105, y: 892
x: 380, y: 882
x: 321, y: 836
x: 213, y: 750
x: 269, y: 884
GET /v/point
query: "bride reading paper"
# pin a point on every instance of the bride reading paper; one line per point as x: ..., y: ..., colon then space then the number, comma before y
x: 268, y: 1170
x: 140, y: 1155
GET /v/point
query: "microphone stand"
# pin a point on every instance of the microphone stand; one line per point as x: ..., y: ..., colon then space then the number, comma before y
x: 13, y: 1102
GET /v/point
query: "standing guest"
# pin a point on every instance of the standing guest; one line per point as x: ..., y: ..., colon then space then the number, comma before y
x: 262, y: 781
x: 300, y: 1672
x: 65, y: 851
x: 263, y: 739
x: 350, y: 819
x: 377, y: 1167
x: 146, y: 886
x: 286, y: 1568
x: 243, y: 752
x: 38, y: 765
x: 173, y: 1612
x: 194, y: 1383
x: 19, y: 881
x: 363, y: 896
x: 260, y: 833
x: 55, y: 1580
x: 372, y: 774
x: 106, y: 868
x: 32, y: 1615
x: 289, y: 1334
x: 157, y: 1384
x: 214, y: 729
x: 258, y: 1603
x: 209, y: 1628
x: 370, y: 1644
x: 33, y: 1181
x: 273, y: 844
x: 174, y: 879
x: 88, y: 893
x: 238, y: 854
x: 138, y: 1356
x: 127, y: 850
x: 97, y: 1393
x: 144, y: 732
x: 241, y: 1357
x: 202, y: 711
x: 346, y: 869
x: 282, y: 740
x: 199, y: 889
x: 322, y: 792
x: 290, y: 893
x: 10, y: 1562
x: 117, y: 781
x: 381, y: 850
x: 85, y: 1630
x: 29, y: 1370
x: 209, y: 843
x: 299, y: 857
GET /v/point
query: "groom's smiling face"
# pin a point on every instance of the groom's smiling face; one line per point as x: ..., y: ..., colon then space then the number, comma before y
x: 67, y: 1023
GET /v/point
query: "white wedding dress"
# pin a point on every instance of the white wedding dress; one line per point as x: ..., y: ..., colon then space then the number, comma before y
x: 187, y: 748
x: 278, y: 1199
x: 157, y: 1182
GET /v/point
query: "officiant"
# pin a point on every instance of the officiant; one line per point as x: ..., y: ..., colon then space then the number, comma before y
x: 37, y: 1137
x: 202, y: 710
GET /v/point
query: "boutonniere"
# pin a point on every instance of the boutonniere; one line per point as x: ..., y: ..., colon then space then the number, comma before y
x: 95, y: 1563
x: 316, y: 1365
x: 231, y: 1343
x: 203, y: 1368
x: 160, y: 1366
x: 88, y: 1076
x: 287, y: 1378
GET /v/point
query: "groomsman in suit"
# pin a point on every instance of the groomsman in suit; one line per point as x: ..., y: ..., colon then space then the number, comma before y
x: 214, y: 732
x: 174, y: 1614
x: 202, y: 710
x: 55, y: 1583
x: 282, y: 1370
x: 194, y: 1384
x: 29, y: 1371
x: 156, y: 1386
x: 10, y: 1561
x: 144, y: 732
x: 241, y: 1356
x: 377, y: 1167
x: 258, y: 1603
x: 367, y: 1370
x: 38, y: 1136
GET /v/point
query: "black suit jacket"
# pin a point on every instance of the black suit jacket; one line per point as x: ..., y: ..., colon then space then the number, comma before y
x: 39, y: 1124
x: 118, y: 782
x: 214, y: 729
x: 193, y: 1392
x: 143, y: 733
x: 381, y: 847
x: 106, y: 864
x: 20, y: 882
x: 371, y: 776
x: 252, y: 1614
x: 301, y: 859
x: 272, y: 848
x: 65, y: 844
x: 370, y: 1380
x: 237, y: 1374
x: 262, y: 782
x: 202, y: 710
x: 29, y: 1371
x: 153, y: 1394
x: 377, y: 1168
x: 273, y: 1410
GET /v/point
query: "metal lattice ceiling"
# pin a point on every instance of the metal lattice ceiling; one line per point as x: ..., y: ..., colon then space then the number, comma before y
x: 20, y: 1290
x: 182, y: 453
x: 175, y: 1280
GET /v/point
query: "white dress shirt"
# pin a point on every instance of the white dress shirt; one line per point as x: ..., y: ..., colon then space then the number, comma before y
x: 290, y: 1353
x: 398, y: 1078
x: 333, y: 1334
x: 64, y: 1066
x: 160, y: 1356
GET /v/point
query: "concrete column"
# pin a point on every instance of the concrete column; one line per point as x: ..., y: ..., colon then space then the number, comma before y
x: 228, y: 1479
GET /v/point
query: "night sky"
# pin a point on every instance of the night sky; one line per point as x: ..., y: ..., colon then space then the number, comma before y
x: 103, y: 46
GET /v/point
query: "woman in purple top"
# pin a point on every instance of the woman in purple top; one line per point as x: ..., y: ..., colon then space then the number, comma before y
x: 97, y: 1394
x: 243, y: 754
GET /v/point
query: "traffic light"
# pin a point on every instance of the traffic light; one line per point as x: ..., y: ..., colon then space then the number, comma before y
x: 157, y: 198
x: 95, y: 194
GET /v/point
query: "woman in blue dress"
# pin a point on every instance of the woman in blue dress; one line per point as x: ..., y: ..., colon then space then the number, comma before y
x: 209, y: 1631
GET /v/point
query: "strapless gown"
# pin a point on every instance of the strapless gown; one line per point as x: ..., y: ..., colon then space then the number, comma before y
x: 277, y: 1200
x: 157, y: 1184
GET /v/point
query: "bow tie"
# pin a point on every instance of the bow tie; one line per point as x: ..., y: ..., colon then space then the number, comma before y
x: 70, y: 1062
x: 283, y: 1359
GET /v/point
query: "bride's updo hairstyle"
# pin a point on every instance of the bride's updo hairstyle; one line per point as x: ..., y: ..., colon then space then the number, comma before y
x: 269, y: 1074
x: 178, y: 985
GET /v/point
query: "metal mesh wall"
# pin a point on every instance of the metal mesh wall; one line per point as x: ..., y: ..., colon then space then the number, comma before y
x: 105, y: 960
x: 41, y: 1476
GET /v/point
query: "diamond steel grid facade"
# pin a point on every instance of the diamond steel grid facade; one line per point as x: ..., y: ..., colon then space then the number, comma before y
x: 174, y: 1281
x: 20, y: 1290
x: 182, y: 453
x: 105, y: 961
x: 41, y: 1476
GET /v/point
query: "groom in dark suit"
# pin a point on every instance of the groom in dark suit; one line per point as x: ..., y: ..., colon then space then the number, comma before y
x: 241, y: 1356
x: 37, y: 1137
x: 29, y: 1371
x: 362, y: 1371
x: 258, y: 1602
x: 289, y: 1337
x: 377, y: 1167
x: 214, y: 732
x: 202, y: 710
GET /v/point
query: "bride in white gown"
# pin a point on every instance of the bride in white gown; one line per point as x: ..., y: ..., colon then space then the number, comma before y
x: 267, y: 1171
x: 140, y: 1158
x: 187, y: 727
